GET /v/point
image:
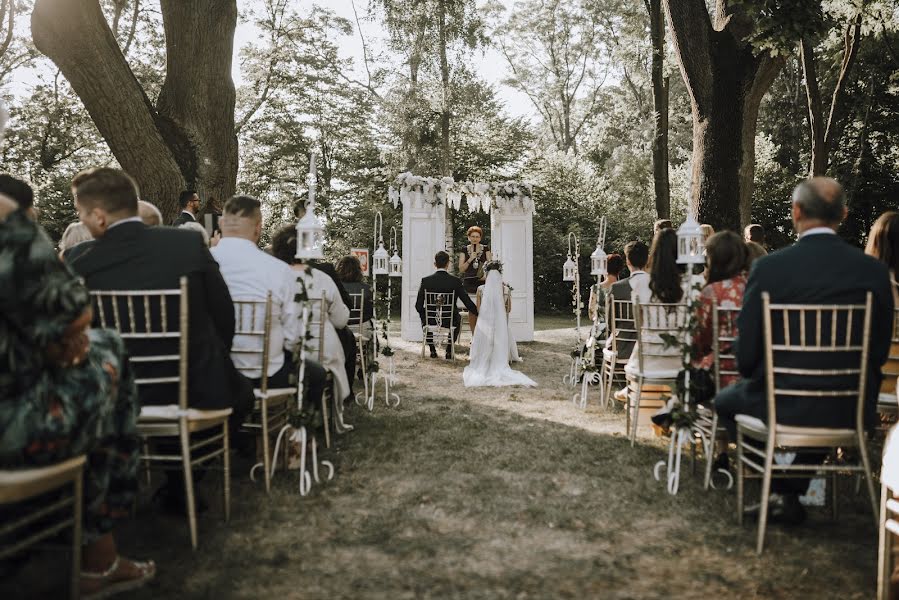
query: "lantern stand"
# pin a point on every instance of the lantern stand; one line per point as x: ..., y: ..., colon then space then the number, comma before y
x: 592, y: 376
x: 571, y: 272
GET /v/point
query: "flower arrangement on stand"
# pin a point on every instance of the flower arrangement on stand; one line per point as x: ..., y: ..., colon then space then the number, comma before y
x: 478, y: 196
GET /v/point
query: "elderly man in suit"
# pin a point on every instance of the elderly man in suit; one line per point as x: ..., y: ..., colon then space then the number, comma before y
x: 819, y: 269
x: 442, y: 282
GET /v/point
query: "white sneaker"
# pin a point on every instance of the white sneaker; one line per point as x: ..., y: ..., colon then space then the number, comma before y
x: 621, y: 395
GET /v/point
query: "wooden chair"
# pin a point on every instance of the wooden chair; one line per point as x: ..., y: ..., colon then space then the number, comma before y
x: 653, y: 319
x: 621, y: 329
x: 723, y: 351
x: 315, y: 340
x: 23, y: 485
x: 363, y: 338
x: 828, y: 333
x: 142, y: 316
x: 439, y: 310
x: 886, y: 401
x: 253, y: 320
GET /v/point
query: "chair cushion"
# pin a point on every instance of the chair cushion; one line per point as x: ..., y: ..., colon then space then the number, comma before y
x: 790, y: 435
x: 171, y: 412
x: 634, y: 371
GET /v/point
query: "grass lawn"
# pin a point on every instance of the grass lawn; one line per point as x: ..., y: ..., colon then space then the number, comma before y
x: 510, y: 493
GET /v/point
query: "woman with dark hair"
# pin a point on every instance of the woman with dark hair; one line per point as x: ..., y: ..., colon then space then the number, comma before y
x: 665, y: 275
x: 726, y: 256
x: 883, y: 244
x: 349, y: 272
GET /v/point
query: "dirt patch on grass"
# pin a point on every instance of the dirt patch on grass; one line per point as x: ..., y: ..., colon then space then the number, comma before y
x: 511, y: 493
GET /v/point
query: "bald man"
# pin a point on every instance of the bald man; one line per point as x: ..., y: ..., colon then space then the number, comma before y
x: 149, y: 214
x: 819, y: 269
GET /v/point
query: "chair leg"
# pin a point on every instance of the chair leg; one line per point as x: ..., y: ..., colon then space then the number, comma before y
x: 740, y: 473
x: 77, y: 509
x: 325, y: 420
x: 188, y: 485
x: 833, y: 495
x: 266, y: 457
x: 226, y: 471
x: 363, y: 359
x: 869, y: 477
x: 145, y: 449
x: 710, y: 453
x: 636, y: 417
x: 627, y: 409
x: 763, y: 507
x: 885, y: 550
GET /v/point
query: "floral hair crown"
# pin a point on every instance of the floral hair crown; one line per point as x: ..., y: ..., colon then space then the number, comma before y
x: 493, y: 265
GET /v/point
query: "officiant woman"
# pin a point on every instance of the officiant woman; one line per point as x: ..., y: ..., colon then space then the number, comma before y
x: 471, y: 265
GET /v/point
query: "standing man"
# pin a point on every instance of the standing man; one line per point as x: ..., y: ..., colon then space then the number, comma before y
x: 754, y: 233
x: 189, y: 201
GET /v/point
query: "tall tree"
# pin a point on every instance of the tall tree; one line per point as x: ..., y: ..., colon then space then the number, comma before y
x: 727, y: 76
x: 660, y: 108
x: 187, y: 138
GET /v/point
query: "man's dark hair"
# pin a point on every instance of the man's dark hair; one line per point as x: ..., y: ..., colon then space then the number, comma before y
x: 441, y: 260
x: 815, y: 205
x: 755, y: 233
x: 614, y: 264
x: 185, y: 197
x: 18, y: 190
x: 242, y: 206
x: 349, y: 269
x: 284, y: 243
x: 662, y: 224
x: 113, y: 190
x: 637, y: 253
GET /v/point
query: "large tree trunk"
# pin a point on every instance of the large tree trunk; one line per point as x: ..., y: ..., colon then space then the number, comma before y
x: 446, y: 151
x: 660, y: 108
x: 727, y: 80
x: 189, y: 140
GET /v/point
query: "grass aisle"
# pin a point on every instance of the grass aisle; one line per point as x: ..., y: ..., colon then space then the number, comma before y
x: 497, y: 494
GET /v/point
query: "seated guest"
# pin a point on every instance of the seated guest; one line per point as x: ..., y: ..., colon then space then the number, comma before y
x: 819, y: 268
x: 196, y: 228
x: 318, y: 286
x: 128, y: 255
x: 636, y: 255
x: 754, y: 233
x: 755, y: 251
x: 189, y: 201
x: 660, y: 225
x: 67, y: 391
x: 707, y: 232
x: 883, y: 244
x: 442, y: 282
x: 74, y: 234
x: 596, y: 303
x: 149, y: 214
x: 349, y: 272
x: 251, y: 274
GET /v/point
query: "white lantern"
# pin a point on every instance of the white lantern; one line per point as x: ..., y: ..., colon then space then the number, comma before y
x: 310, y: 237
x: 690, y: 245
x: 598, y: 260
x: 569, y: 270
x: 379, y: 260
x: 396, y: 264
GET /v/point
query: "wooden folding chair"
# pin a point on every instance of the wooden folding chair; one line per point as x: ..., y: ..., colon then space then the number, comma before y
x: 44, y: 520
x: 318, y: 315
x: 886, y: 401
x: 888, y: 530
x: 830, y: 333
x: 253, y: 320
x: 363, y: 337
x: 622, y: 330
x: 144, y: 316
x: 439, y: 310
x: 654, y: 319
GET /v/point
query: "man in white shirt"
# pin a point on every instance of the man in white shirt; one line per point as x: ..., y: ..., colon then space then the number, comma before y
x: 251, y: 274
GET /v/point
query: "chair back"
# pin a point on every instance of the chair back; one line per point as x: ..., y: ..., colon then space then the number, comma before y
x: 252, y: 334
x: 655, y: 321
x: 439, y: 307
x: 621, y: 321
x: 357, y: 310
x: 315, y: 330
x: 891, y: 367
x: 150, y: 316
x: 724, y: 333
x: 832, y: 337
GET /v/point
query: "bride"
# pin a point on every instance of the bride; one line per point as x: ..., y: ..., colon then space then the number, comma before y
x: 492, y: 345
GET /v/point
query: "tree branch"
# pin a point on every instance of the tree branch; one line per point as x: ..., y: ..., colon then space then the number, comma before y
x: 851, y: 40
x: 132, y: 29
x: 11, y: 15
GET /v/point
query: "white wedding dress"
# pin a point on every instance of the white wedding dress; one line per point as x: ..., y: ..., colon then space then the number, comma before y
x: 492, y: 345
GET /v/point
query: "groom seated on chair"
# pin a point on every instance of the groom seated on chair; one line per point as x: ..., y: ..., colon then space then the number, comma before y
x: 442, y: 282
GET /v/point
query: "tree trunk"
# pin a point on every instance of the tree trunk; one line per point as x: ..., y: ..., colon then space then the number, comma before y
x: 446, y: 152
x: 188, y: 140
x: 726, y: 81
x: 660, y: 107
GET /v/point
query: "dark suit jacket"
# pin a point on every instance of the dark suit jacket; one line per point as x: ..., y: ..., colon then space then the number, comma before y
x: 133, y: 256
x: 818, y: 269
x: 444, y: 283
x: 621, y: 290
x: 184, y: 217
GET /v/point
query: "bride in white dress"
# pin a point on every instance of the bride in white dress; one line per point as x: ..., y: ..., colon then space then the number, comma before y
x: 492, y: 345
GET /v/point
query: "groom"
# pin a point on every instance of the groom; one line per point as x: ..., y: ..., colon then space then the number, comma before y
x: 442, y: 282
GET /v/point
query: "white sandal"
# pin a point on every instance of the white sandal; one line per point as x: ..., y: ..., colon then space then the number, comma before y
x: 109, y: 589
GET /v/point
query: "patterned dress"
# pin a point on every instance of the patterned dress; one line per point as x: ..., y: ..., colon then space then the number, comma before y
x: 51, y: 407
x: 727, y: 294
